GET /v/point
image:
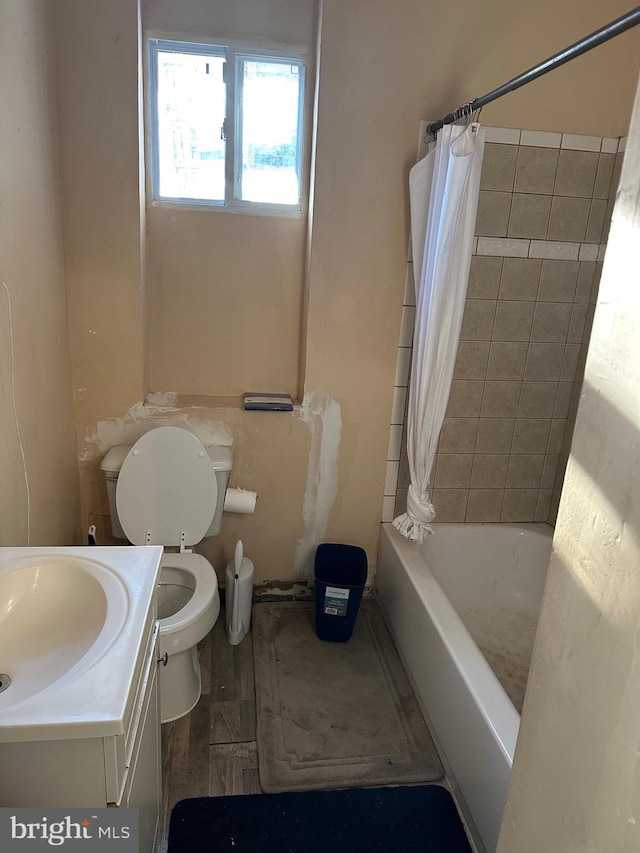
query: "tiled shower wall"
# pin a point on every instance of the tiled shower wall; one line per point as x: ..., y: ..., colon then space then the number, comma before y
x: 543, y: 218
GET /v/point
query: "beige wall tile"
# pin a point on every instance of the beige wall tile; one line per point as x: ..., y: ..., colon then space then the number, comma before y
x: 558, y: 281
x: 544, y: 362
x: 549, y: 471
x: 489, y: 471
x: 529, y: 215
x: 607, y: 220
x: 576, y: 173
x: 567, y: 439
x: 581, y: 142
x: 584, y: 282
x: 507, y: 359
x: 555, y: 250
x: 595, y: 225
x: 493, y: 214
x: 471, y: 360
x: 404, y: 477
x: 453, y: 470
x: 477, y: 321
x: 391, y: 482
x: 511, y: 136
x: 519, y: 504
x: 577, y: 323
x: 499, y: 167
x: 562, y: 399
x: 484, y: 505
x: 551, y: 321
x: 543, y: 505
x: 513, y: 321
x: 395, y: 442
x: 389, y: 507
x: 520, y: 278
x: 588, y: 252
x: 536, y: 170
x: 494, y: 435
x: 553, y: 511
x: 504, y: 247
x: 409, y: 297
x: 399, y: 406
x: 582, y: 358
x: 568, y: 219
x: 401, y: 502
x: 595, y: 285
x: 531, y: 435
x: 541, y: 138
x: 556, y: 434
x: 458, y: 435
x: 604, y: 175
x: 525, y: 471
x: 570, y: 362
x: 537, y: 399
x: 484, y: 277
x: 465, y: 399
x: 450, y: 504
x: 500, y: 399
x: 403, y: 366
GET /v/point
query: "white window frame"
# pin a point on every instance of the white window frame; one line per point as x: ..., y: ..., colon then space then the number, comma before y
x: 233, y: 53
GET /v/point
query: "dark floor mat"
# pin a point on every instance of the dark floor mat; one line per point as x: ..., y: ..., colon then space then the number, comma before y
x: 418, y: 819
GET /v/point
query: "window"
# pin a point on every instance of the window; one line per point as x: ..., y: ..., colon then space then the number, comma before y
x: 226, y: 126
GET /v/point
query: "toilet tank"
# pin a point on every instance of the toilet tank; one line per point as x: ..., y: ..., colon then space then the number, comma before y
x: 221, y: 460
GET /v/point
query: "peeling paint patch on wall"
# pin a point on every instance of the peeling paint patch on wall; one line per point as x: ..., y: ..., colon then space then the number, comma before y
x: 157, y: 410
x: 324, y: 418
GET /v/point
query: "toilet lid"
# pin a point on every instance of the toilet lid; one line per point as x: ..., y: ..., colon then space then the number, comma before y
x: 166, y: 487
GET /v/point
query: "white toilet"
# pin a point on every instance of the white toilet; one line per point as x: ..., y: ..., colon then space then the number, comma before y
x: 168, y: 489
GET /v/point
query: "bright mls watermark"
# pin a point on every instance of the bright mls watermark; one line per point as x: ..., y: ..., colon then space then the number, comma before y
x: 79, y: 830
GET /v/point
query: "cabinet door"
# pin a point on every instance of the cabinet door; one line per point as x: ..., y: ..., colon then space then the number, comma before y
x: 143, y: 788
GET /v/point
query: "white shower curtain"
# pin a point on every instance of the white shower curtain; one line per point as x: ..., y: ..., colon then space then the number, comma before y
x: 443, y: 189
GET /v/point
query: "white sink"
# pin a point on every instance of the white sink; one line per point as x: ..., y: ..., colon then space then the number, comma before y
x: 72, y: 624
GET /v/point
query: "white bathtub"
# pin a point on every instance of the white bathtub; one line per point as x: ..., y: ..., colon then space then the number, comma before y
x: 469, y: 586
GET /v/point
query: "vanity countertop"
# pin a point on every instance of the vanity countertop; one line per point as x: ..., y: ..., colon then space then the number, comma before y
x: 75, y: 626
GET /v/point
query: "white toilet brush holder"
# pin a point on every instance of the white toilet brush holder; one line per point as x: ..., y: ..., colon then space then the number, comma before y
x: 238, y: 595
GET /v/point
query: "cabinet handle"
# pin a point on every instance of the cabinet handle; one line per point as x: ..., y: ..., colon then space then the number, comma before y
x: 164, y: 660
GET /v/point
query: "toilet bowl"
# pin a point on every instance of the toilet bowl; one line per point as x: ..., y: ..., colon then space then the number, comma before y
x: 188, y: 607
x: 167, y: 489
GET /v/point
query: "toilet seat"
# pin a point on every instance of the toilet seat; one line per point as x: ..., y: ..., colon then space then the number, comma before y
x: 167, y: 490
x: 204, y: 590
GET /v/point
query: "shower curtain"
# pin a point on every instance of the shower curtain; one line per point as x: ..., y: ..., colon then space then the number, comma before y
x: 443, y: 190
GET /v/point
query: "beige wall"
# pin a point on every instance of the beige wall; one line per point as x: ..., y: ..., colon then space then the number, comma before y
x: 98, y: 104
x: 380, y: 73
x: 575, y: 785
x: 225, y: 301
x: 225, y: 291
x: 31, y: 267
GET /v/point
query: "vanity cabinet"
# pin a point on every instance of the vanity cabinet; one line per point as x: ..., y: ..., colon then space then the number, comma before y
x: 118, y: 770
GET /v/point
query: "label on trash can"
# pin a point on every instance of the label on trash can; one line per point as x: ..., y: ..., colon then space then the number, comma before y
x: 335, y: 601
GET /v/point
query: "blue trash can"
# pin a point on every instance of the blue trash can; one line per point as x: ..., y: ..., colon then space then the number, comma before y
x: 340, y: 573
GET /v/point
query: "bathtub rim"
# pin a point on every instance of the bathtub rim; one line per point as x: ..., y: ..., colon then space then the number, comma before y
x: 491, y: 699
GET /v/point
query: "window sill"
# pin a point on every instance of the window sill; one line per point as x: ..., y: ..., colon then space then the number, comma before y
x: 272, y: 211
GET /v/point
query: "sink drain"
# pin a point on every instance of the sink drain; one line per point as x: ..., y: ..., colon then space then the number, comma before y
x: 5, y: 681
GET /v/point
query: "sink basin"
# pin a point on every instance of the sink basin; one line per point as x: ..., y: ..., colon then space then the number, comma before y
x: 73, y: 624
x: 57, y: 616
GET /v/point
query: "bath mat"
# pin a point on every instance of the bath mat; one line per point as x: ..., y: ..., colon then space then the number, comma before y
x: 420, y: 819
x: 334, y: 715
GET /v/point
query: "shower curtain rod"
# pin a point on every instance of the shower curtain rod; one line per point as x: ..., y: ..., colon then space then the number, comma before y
x: 611, y: 30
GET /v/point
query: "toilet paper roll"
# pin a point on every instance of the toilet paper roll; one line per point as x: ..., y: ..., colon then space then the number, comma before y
x: 240, y: 500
